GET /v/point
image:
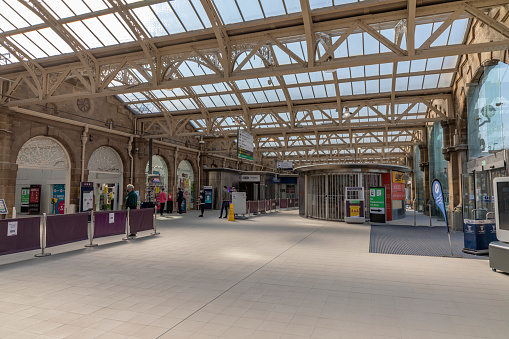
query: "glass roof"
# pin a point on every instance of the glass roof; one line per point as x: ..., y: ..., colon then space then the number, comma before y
x: 95, y: 24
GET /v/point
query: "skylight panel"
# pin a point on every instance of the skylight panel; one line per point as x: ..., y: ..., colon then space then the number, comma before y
x: 319, y: 91
x: 282, y: 57
x: 402, y: 84
x: 18, y: 14
x: 434, y: 64
x: 450, y: 62
x: 302, y: 78
x: 345, y: 88
x: 385, y: 85
x: 292, y: 6
x: 445, y: 80
x: 217, y: 100
x: 390, y: 34
x: 359, y: 87
x: 298, y: 48
x: 458, y: 30
x: 150, y: 21
x: 422, y: 33
x: 290, y: 79
x: 251, y: 10
x: 95, y: 5
x: 372, y: 70
x: 77, y: 6
x: 319, y: 3
x: 295, y: 93
x: 354, y: 44
x: 316, y: 76
x: 58, y: 8
x: 307, y: 92
x: 169, y: 105
x: 209, y: 88
x: 372, y: 86
x: 443, y: 38
x: 4, y: 24
x: 198, y: 89
x: 403, y: 67
x: 272, y: 95
x: 43, y: 42
x: 331, y: 90
x: 207, y: 102
x: 260, y: 96
x: 201, y: 13
x: 418, y: 65
x: 249, y: 97
x: 100, y: 31
x: 168, y: 18
x: 357, y: 72
x: 228, y: 11
x: 28, y: 46
x: 81, y: 32
x: 371, y: 45
x: 186, y: 14
x: 116, y: 28
x: 415, y: 82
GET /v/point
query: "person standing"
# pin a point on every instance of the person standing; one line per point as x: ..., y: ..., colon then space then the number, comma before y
x: 202, y: 203
x: 180, y: 198
x: 225, y: 196
x: 169, y: 204
x: 131, y: 201
x: 162, y: 200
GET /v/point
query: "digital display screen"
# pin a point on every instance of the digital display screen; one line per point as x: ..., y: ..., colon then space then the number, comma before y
x: 503, y: 205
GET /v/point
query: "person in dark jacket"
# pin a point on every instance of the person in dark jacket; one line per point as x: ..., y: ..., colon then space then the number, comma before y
x: 202, y: 203
x: 225, y: 196
x: 131, y: 201
x: 180, y: 198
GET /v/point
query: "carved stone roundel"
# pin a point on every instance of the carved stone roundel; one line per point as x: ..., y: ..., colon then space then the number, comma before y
x: 43, y: 153
x: 105, y: 159
x: 83, y: 104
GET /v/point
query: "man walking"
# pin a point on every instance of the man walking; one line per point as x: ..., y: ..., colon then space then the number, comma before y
x: 162, y: 200
x: 225, y: 195
x: 180, y: 198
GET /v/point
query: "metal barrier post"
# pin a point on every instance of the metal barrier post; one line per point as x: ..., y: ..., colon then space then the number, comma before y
x: 43, y: 238
x: 155, y: 220
x: 128, y: 225
x: 91, y: 228
x: 415, y: 213
x: 13, y: 212
x: 429, y: 211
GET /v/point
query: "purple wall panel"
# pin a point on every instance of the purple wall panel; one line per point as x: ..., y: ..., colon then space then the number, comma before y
x: 261, y: 206
x: 28, y: 235
x: 63, y: 229
x: 104, y: 228
x: 141, y: 220
x: 253, y: 206
x: 283, y: 203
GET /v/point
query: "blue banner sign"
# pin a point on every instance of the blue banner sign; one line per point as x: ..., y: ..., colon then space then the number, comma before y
x: 436, y: 189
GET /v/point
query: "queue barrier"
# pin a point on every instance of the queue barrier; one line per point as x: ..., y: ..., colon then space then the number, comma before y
x: 41, y: 232
x: 283, y: 203
x: 19, y: 235
x: 261, y: 206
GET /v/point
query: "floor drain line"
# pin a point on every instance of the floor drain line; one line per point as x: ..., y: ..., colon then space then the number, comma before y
x: 240, y: 281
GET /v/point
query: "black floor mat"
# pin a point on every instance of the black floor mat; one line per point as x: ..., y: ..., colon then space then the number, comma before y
x: 411, y: 240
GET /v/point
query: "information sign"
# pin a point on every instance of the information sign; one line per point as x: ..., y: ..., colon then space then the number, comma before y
x: 245, y: 144
x: 59, y: 195
x: 12, y: 228
x: 87, y: 196
x: 3, y: 207
x: 377, y: 204
x: 285, y: 165
x: 34, y: 206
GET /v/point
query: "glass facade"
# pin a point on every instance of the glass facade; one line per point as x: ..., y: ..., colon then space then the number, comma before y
x: 437, y: 163
x: 488, y: 108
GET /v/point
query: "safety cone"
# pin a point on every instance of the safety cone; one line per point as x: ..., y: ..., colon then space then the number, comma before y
x: 231, y: 217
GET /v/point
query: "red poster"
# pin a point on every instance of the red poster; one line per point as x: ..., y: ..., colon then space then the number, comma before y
x: 34, y: 195
x: 387, y: 183
x: 398, y: 191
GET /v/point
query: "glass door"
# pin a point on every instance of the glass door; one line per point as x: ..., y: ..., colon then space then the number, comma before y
x: 467, y: 187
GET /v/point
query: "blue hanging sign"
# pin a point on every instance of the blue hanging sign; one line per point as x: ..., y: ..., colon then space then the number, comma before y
x: 436, y: 189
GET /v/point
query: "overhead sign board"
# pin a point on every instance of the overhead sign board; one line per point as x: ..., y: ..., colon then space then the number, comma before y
x: 285, y: 165
x: 249, y: 178
x: 398, y: 177
x: 245, y: 145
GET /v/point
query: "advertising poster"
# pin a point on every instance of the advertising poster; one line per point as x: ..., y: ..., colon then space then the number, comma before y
x: 34, y: 206
x: 87, y: 196
x: 25, y: 199
x: 398, y: 191
x: 59, y: 195
x: 387, y: 183
x: 207, y: 190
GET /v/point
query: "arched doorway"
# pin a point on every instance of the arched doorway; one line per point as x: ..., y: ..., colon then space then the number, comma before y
x: 105, y: 170
x: 157, y: 179
x: 185, y: 181
x: 43, y: 180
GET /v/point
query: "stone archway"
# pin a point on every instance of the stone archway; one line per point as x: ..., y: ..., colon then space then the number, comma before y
x: 105, y: 170
x: 43, y: 161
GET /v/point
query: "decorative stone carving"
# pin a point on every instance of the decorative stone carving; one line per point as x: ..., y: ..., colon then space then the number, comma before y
x: 105, y: 159
x: 43, y: 153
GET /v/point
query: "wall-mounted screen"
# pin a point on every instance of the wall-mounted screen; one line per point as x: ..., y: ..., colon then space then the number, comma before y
x: 501, y: 190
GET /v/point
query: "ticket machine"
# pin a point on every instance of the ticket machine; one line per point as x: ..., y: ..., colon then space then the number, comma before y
x: 499, y: 250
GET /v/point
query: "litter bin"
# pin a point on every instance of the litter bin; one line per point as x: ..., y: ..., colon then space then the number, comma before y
x: 457, y: 218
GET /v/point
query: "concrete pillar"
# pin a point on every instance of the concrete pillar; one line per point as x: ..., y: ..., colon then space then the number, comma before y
x: 8, y: 170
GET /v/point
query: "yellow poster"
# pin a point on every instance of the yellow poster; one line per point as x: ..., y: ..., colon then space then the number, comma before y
x: 105, y: 189
x: 354, y: 211
x: 398, y: 177
x: 157, y: 190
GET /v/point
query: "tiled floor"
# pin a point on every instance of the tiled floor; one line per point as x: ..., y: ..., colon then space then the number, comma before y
x: 274, y: 276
